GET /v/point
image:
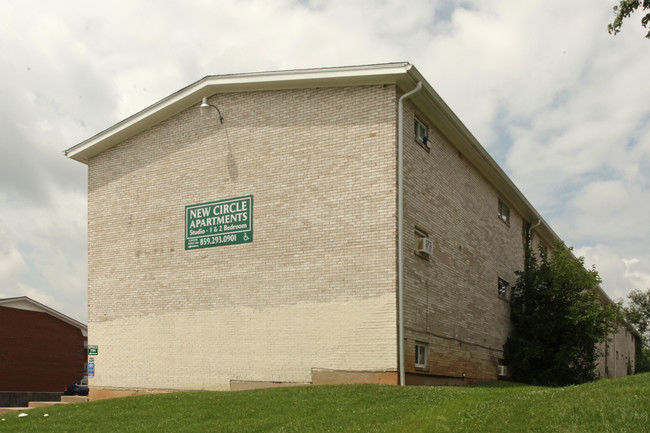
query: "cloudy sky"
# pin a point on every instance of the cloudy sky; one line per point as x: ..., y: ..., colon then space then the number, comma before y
x: 561, y: 105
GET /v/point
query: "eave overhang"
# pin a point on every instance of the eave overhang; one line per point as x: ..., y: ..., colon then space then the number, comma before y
x: 390, y: 73
x: 402, y: 74
x: 432, y: 105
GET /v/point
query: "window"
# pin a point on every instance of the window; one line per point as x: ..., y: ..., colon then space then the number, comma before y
x: 504, y: 212
x: 421, y: 350
x: 504, y: 289
x: 421, y: 133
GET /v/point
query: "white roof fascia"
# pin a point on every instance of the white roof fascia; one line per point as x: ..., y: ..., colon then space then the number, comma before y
x: 453, y: 128
x: 28, y: 304
x: 403, y: 74
x: 210, y: 85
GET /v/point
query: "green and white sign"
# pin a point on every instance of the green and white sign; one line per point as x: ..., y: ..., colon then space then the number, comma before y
x: 223, y: 222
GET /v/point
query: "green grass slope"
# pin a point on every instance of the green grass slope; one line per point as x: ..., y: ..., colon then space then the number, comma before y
x: 614, y: 405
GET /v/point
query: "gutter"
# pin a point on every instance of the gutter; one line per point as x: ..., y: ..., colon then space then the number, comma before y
x: 400, y: 228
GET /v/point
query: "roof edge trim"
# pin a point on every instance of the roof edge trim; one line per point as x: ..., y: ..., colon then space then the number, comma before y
x: 212, y: 84
x: 44, y: 309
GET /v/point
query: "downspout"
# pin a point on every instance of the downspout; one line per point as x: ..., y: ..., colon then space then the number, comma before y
x: 536, y: 225
x: 400, y: 228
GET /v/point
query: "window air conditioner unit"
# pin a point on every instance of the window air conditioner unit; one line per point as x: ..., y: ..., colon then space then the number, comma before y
x: 502, y: 370
x: 425, y: 246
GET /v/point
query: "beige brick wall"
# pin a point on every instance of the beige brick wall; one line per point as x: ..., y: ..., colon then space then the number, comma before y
x: 618, y: 354
x: 451, y: 299
x: 316, y: 288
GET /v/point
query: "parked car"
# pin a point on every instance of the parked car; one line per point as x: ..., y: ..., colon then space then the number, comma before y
x: 80, y: 387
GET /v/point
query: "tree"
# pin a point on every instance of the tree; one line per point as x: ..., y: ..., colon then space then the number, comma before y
x: 624, y: 9
x: 558, y: 318
x: 638, y: 314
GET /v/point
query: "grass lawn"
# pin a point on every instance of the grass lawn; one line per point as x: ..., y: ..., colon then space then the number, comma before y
x: 612, y: 405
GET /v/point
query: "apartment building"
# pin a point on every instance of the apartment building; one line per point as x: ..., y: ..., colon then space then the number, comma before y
x: 330, y: 225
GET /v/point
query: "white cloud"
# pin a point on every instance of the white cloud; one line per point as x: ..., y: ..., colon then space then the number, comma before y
x: 13, y: 268
x: 612, y: 210
x: 45, y: 257
x: 638, y: 277
x: 12, y: 264
x: 619, y: 275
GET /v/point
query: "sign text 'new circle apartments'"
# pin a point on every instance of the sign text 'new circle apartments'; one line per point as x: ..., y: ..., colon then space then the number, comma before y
x: 223, y: 222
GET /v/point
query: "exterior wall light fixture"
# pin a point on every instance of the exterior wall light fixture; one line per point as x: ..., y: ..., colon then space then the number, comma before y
x: 205, y: 104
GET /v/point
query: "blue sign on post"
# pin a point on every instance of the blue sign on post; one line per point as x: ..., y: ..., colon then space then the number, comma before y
x: 91, y: 369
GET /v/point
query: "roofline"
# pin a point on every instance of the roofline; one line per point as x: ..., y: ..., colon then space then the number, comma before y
x: 403, y: 74
x: 458, y: 134
x: 604, y: 297
x: 246, y: 82
x: 48, y: 310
